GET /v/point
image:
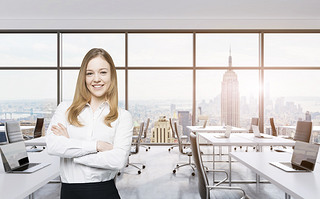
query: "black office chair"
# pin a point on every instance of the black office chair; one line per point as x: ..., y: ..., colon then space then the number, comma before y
x: 36, y: 134
x: 37, y: 129
x: 204, y: 186
x: 184, y: 151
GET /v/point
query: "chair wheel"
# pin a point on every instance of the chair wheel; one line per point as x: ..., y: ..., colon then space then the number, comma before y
x: 139, y: 172
x: 127, y: 165
x: 193, y: 174
x: 119, y: 173
x: 143, y: 166
x: 174, y: 171
x: 169, y: 149
x: 246, y: 150
x: 147, y: 150
x: 235, y: 148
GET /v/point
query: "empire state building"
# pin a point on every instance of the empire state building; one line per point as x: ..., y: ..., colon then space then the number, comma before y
x: 230, y: 98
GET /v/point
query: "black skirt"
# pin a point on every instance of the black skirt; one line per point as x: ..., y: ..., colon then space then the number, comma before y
x: 96, y: 190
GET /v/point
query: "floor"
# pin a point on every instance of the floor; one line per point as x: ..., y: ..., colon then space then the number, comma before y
x: 157, y: 180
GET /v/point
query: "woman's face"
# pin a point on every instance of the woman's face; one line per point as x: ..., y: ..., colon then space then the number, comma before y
x: 98, y: 77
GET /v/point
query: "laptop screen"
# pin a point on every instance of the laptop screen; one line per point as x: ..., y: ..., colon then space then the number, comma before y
x: 3, y: 137
x: 305, y: 154
x: 15, y: 154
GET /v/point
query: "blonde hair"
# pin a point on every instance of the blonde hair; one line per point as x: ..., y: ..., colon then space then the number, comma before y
x: 82, y: 95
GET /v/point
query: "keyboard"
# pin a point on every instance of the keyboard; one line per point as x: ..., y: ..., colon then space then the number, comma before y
x: 25, y: 167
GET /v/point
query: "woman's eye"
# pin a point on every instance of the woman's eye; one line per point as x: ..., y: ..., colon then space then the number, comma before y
x: 89, y: 74
x: 103, y: 72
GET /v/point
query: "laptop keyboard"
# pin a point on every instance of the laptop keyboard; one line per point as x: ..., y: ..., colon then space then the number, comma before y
x: 25, y: 167
x: 295, y: 167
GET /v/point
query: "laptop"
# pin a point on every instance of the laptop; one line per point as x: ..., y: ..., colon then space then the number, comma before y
x: 303, y: 158
x: 226, y: 133
x: 257, y: 134
x: 204, y: 125
x: 3, y: 137
x: 15, y: 159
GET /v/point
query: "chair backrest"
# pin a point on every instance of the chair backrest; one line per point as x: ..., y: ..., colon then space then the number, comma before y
x: 254, y: 122
x: 172, y: 129
x: 273, y: 127
x: 14, y: 133
x: 178, y: 137
x: 139, y: 138
x: 303, y: 131
x: 202, y: 175
x: 38, y: 129
x: 146, y: 129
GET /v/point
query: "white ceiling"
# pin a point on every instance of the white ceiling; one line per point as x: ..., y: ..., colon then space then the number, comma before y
x: 139, y: 11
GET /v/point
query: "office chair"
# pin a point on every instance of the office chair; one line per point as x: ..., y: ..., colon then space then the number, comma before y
x: 303, y: 131
x: 13, y: 130
x: 183, y: 138
x: 183, y: 151
x: 273, y: 127
x: 204, y: 186
x: 145, y: 132
x: 135, y: 150
x: 37, y: 129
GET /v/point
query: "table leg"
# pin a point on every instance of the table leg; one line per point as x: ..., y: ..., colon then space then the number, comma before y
x: 287, y: 196
x: 258, y: 183
x: 213, y: 163
x: 229, y: 150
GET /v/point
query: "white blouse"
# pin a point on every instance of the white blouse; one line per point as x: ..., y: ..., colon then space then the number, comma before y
x: 80, y: 162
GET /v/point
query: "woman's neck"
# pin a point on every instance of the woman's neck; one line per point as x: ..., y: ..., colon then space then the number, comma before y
x: 95, y: 103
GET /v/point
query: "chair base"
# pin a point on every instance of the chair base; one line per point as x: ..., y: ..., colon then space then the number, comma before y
x: 192, y: 165
x: 135, y: 166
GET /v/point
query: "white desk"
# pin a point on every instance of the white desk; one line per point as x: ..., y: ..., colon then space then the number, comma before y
x: 244, y: 139
x: 215, y: 129
x: 41, y: 141
x: 21, y: 127
x: 17, y: 186
x: 297, y: 185
x: 273, y: 141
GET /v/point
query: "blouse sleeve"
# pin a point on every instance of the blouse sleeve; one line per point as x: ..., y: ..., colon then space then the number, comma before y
x: 116, y: 158
x: 66, y: 147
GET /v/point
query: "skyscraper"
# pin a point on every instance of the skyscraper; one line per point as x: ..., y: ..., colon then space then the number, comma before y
x: 230, y: 97
x: 162, y: 132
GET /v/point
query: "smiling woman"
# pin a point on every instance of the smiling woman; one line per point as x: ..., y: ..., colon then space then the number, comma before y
x: 92, y: 135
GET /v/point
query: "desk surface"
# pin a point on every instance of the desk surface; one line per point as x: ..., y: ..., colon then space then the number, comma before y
x: 41, y: 141
x: 17, y: 186
x: 298, y: 185
x: 215, y: 129
x: 233, y: 140
x: 21, y: 127
x: 246, y: 139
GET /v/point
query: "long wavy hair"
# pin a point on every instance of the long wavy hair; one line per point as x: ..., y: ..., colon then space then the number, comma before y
x: 82, y: 95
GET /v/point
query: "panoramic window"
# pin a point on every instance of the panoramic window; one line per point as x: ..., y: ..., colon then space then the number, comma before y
x: 75, y: 46
x: 160, y: 49
x: 213, y: 49
x: 28, y: 50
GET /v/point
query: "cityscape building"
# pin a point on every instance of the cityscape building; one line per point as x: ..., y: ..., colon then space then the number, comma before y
x: 230, y: 97
x: 162, y: 132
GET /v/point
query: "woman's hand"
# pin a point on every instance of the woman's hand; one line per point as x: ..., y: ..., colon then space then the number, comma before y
x: 104, y: 146
x: 60, y: 130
